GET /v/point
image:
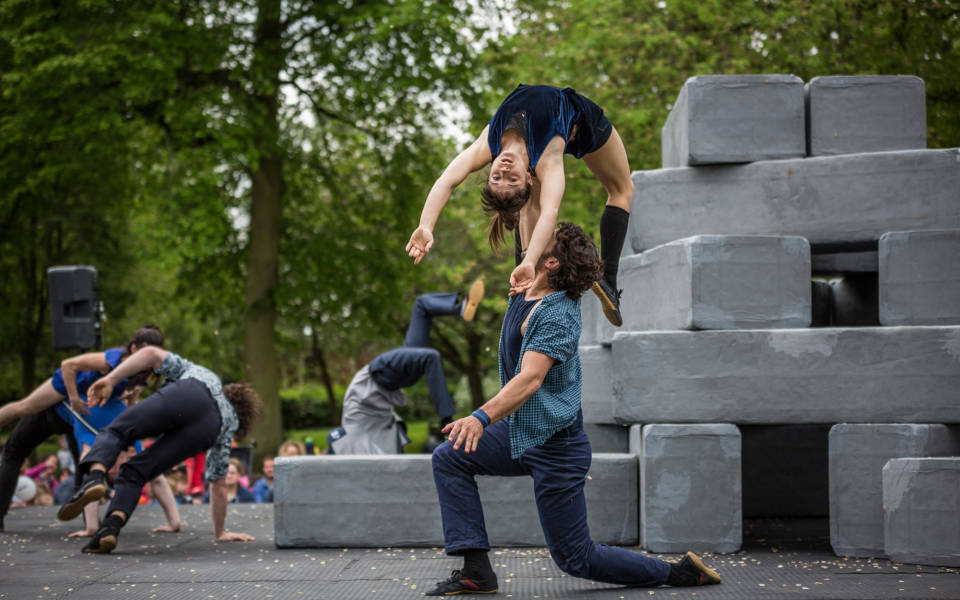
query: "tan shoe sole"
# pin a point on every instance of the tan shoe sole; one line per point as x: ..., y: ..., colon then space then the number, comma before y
x: 107, y: 544
x: 609, y: 310
x: 72, y: 510
x: 710, y: 573
x: 474, y: 296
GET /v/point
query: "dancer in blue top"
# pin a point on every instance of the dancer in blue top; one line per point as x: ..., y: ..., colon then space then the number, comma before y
x: 534, y: 427
x: 44, y: 413
x: 525, y: 141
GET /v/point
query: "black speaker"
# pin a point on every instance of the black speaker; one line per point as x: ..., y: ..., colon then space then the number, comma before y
x: 74, y: 307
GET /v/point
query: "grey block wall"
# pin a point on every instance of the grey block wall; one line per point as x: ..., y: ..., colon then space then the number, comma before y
x: 690, y: 491
x: 595, y: 328
x: 607, y: 438
x: 921, y: 523
x: 735, y: 118
x: 718, y: 282
x: 865, y: 113
x: 834, y: 199
x: 823, y: 375
x: 857, y: 454
x: 596, y: 396
x: 919, y: 278
x: 785, y: 471
x: 366, y: 501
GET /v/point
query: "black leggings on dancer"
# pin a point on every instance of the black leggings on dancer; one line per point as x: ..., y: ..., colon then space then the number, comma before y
x: 184, y: 419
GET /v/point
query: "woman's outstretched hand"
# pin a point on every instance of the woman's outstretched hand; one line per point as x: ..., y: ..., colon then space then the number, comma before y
x: 420, y: 243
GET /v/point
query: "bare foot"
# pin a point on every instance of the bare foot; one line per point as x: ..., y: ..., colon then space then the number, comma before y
x: 167, y: 528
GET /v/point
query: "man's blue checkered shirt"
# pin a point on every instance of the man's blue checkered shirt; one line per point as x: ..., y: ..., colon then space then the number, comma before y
x: 554, y: 330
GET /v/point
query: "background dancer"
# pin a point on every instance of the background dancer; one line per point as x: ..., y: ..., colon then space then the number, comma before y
x: 534, y: 427
x: 369, y: 424
x: 191, y: 413
x: 525, y: 141
x: 43, y: 413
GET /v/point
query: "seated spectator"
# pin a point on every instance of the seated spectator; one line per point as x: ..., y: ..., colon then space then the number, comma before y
x: 177, y: 478
x: 235, y: 492
x: 43, y: 497
x: 64, y: 488
x: 64, y: 455
x: 292, y: 448
x: 263, y: 488
x: 46, y: 472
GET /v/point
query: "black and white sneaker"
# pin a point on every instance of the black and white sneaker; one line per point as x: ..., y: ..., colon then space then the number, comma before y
x: 691, y: 571
x: 609, y: 301
x: 93, y: 488
x: 458, y: 583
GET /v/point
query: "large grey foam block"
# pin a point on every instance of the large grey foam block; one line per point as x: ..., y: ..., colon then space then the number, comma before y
x: 828, y: 200
x: 690, y: 493
x: 857, y: 454
x: 597, y: 392
x: 595, y: 328
x: 865, y: 113
x: 366, y: 501
x: 921, y: 523
x: 828, y: 375
x: 607, y: 438
x: 718, y: 282
x: 920, y: 278
x: 734, y: 118
x: 785, y: 470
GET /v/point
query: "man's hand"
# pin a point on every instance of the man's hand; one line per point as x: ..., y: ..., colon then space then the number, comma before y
x: 464, y: 432
x: 521, y: 278
x: 420, y: 243
x: 99, y: 392
x: 229, y: 536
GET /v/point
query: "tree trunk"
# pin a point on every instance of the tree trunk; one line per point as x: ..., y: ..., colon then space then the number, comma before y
x: 267, y: 192
x: 321, y: 363
x: 474, y: 373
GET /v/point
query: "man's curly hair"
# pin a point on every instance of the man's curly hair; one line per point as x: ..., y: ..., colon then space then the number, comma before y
x: 247, y: 404
x: 580, y: 264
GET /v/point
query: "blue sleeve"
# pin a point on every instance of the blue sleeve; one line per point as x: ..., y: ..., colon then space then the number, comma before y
x: 113, y: 356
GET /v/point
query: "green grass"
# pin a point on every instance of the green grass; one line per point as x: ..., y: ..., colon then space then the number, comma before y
x: 416, y: 431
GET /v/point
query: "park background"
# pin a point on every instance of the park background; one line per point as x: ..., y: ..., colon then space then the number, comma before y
x: 246, y: 174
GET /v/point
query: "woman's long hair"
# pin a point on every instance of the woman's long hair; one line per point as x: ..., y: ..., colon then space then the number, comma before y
x: 505, y: 210
x: 247, y: 404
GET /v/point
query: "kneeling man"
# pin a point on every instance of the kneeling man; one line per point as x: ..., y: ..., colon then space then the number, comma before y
x: 534, y: 427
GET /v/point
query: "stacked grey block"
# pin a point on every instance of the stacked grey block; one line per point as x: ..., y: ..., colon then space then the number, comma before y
x: 857, y: 454
x: 851, y: 114
x: 367, y: 501
x: 847, y: 199
x: 921, y: 523
x: 919, y: 278
x: 829, y: 375
x: 719, y: 282
x: 690, y: 491
x: 735, y: 118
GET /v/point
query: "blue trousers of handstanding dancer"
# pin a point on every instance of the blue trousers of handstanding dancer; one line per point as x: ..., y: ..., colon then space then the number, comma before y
x: 404, y: 366
x: 559, y: 469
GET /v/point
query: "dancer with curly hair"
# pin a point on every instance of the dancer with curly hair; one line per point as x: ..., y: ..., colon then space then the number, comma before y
x: 525, y: 142
x: 193, y: 412
x: 534, y: 426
